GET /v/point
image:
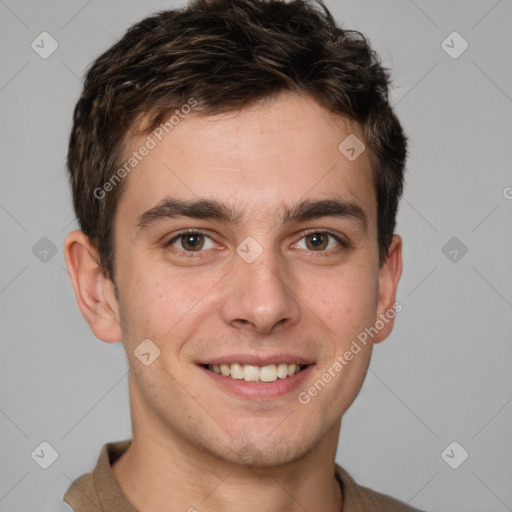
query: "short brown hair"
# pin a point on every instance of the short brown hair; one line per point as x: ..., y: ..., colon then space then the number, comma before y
x: 226, y: 54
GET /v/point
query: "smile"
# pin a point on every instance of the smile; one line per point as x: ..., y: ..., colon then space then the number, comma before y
x: 253, y: 373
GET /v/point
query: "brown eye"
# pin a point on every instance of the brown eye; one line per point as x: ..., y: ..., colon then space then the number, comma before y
x: 322, y: 242
x: 190, y: 242
x: 317, y: 241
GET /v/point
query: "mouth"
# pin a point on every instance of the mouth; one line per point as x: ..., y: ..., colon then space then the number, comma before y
x: 253, y: 373
x: 268, y: 380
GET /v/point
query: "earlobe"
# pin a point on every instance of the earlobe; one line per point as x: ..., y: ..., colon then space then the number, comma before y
x: 94, y: 291
x: 389, y: 277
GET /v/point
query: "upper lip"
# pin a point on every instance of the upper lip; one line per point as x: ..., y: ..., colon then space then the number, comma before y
x: 257, y: 360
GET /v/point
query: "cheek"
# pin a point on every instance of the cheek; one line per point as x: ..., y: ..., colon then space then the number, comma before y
x: 347, y: 303
x: 145, y: 304
x: 160, y: 302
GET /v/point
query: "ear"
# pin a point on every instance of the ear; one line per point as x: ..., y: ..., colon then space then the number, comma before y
x: 389, y: 276
x: 94, y: 291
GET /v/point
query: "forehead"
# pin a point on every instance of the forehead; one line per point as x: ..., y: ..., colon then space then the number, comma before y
x: 273, y: 153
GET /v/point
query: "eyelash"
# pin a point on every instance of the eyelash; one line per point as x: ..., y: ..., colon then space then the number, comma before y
x: 197, y: 254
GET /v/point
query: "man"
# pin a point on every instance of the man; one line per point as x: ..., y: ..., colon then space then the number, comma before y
x: 236, y: 170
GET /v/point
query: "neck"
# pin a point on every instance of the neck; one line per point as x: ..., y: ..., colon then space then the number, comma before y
x: 153, y: 478
x: 161, y: 469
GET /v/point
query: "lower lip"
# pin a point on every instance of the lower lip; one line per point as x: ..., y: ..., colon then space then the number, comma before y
x: 259, y: 390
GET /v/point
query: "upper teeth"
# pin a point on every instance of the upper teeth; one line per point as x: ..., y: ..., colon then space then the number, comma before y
x: 253, y: 373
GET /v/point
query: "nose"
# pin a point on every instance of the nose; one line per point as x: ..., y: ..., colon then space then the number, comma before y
x: 260, y: 296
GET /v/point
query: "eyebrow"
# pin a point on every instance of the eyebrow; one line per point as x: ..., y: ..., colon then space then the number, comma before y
x: 211, y: 209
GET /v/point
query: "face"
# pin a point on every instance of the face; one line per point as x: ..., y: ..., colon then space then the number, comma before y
x: 251, y: 283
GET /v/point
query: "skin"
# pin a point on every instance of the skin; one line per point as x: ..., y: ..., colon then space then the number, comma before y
x: 194, y: 444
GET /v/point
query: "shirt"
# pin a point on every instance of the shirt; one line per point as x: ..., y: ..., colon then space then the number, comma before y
x: 98, y: 491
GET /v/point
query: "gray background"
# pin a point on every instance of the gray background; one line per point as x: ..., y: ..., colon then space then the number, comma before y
x: 442, y: 376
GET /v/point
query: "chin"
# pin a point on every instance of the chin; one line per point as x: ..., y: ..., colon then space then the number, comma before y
x: 264, y: 452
